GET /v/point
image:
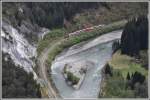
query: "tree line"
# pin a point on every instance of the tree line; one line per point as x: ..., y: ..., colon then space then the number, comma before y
x: 16, y: 83
x: 135, y: 36
x: 50, y: 15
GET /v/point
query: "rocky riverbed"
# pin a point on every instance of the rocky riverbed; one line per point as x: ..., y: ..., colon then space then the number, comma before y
x: 74, y: 73
x: 96, y: 55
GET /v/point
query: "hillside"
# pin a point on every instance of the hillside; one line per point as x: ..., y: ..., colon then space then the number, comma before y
x: 16, y: 82
x: 31, y: 30
x: 127, y: 71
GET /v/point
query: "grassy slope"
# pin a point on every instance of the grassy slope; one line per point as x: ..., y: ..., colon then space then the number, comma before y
x: 49, y: 39
x: 115, y: 87
x: 121, y: 65
x: 126, y: 64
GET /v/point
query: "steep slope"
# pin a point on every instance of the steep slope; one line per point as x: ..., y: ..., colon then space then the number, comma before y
x: 18, y: 47
x: 23, y: 25
x: 17, y: 83
x: 19, y: 40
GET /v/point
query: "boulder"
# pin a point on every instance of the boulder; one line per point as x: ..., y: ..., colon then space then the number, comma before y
x: 74, y: 73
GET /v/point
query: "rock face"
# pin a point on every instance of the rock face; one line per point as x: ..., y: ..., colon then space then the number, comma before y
x: 74, y: 73
x: 21, y: 50
x: 18, y: 48
x: 20, y: 35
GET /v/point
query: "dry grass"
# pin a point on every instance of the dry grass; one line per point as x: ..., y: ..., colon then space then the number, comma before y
x: 120, y: 61
x: 126, y: 65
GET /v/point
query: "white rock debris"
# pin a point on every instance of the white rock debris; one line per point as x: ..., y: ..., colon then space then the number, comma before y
x: 19, y: 49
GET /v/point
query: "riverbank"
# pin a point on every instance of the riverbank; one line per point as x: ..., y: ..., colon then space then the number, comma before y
x: 97, y: 56
x: 84, y: 36
x: 124, y: 69
x: 103, y: 82
x: 63, y: 43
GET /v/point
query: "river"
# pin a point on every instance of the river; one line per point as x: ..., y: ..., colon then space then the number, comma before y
x: 98, y: 51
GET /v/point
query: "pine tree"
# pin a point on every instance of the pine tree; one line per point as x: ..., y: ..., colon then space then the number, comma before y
x: 128, y: 76
x: 135, y: 36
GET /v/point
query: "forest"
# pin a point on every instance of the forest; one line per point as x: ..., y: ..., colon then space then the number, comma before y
x: 17, y: 79
x: 55, y: 14
x: 50, y: 15
x: 135, y: 36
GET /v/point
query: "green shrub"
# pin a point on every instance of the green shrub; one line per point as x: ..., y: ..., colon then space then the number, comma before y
x: 72, y: 78
x: 49, y: 39
x: 116, y: 86
x: 141, y: 90
x: 54, y: 33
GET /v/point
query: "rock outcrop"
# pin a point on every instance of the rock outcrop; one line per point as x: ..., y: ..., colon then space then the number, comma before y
x: 74, y: 73
x: 20, y: 35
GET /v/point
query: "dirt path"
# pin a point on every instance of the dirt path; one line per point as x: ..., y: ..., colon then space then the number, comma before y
x: 43, y: 72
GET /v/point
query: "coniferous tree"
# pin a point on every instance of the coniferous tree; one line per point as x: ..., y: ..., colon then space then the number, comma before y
x: 135, y: 36
x: 16, y: 83
x: 128, y: 76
